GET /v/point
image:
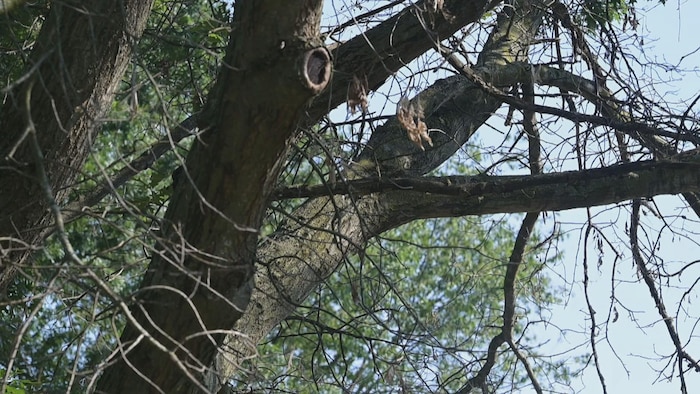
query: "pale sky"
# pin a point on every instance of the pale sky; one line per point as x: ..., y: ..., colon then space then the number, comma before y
x: 670, y: 36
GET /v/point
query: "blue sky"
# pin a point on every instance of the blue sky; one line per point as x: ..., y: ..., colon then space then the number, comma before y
x: 632, y: 349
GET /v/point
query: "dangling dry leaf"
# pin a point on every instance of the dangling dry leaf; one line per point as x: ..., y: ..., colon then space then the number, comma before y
x: 435, y: 5
x: 410, y: 117
x: 357, y: 94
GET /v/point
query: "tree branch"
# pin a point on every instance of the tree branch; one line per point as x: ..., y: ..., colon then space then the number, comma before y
x: 144, y: 161
x: 77, y: 62
x: 663, y: 177
x: 647, y: 276
x: 381, y: 51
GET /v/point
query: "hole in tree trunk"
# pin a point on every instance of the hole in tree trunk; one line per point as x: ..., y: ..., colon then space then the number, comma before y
x: 316, y: 69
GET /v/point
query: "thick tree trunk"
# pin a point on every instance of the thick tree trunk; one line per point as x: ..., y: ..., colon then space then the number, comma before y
x: 75, y: 68
x: 300, y: 256
x: 200, y: 282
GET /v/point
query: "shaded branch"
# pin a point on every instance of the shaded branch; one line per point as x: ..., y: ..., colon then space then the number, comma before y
x: 593, y: 329
x: 524, y: 234
x: 479, y: 380
x: 648, y: 278
x: 515, y: 262
x: 143, y: 162
x: 661, y: 177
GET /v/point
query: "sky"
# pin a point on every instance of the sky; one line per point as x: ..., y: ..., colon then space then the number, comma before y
x: 632, y: 348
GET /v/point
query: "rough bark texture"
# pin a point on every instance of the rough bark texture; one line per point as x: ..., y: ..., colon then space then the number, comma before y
x: 298, y: 258
x: 547, y: 192
x: 200, y: 283
x: 75, y: 67
x: 379, y: 52
x: 497, y: 194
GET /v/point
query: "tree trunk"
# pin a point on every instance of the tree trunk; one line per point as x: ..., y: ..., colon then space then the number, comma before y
x: 74, y: 70
x: 200, y: 281
x: 300, y: 256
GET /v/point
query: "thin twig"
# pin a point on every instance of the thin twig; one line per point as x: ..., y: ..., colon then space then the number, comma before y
x: 660, y: 306
x: 144, y: 161
x: 591, y: 311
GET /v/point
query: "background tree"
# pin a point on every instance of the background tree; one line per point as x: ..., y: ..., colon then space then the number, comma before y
x: 119, y: 277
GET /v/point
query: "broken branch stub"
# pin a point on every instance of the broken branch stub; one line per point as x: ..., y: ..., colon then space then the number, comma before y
x: 316, y: 69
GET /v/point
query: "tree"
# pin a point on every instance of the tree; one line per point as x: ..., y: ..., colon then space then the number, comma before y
x: 271, y: 180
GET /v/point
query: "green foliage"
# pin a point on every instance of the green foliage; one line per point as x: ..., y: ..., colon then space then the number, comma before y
x: 596, y: 13
x: 18, y: 29
x: 15, y: 385
x: 414, y: 312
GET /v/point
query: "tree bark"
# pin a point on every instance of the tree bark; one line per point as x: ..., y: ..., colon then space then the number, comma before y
x: 199, y: 283
x: 298, y: 257
x: 74, y: 70
x: 386, y: 48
